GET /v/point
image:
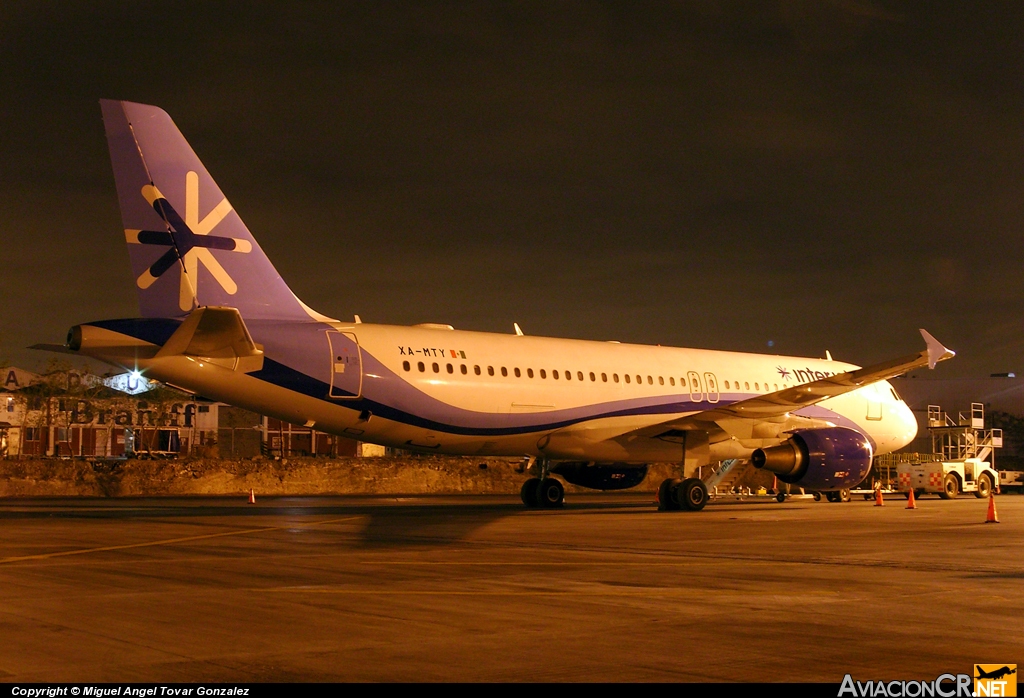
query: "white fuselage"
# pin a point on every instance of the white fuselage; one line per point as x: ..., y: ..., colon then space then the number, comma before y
x: 461, y: 392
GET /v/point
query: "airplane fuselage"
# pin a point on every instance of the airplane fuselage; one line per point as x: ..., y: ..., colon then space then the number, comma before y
x: 475, y: 393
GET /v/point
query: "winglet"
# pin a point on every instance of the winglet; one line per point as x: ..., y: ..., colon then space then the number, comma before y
x: 936, y: 352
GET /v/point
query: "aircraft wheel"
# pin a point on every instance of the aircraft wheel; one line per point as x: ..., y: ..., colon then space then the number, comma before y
x: 950, y: 487
x: 843, y: 495
x: 528, y: 492
x: 984, y: 487
x: 832, y: 496
x: 780, y: 497
x: 692, y: 494
x: 550, y: 493
x: 817, y: 496
x: 667, y: 495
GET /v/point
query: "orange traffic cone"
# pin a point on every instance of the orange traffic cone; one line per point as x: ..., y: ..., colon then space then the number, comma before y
x: 911, y: 504
x: 992, y: 517
x: 252, y: 496
x: 878, y: 498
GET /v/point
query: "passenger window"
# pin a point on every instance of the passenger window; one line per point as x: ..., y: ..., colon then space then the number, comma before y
x: 671, y: 380
x: 516, y: 371
x: 554, y: 374
x: 650, y: 381
x: 639, y: 380
x: 604, y: 377
x: 568, y: 375
x: 421, y: 367
x: 746, y: 385
x: 476, y: 370
x: 661, y: 381
x: 529, y: 372
x: 627, y: 378
x: 543, y: 373
x: 593, y: 378
x: 504, y: 371
x: 437, y: 369
x: 727, y: 385
x: 757, y: 386
x: 579, y: 375
x: 451, y: 369
x: 615, y: 377
x: 490, y: 370
x: 463, y: 369
x: 405, y: 365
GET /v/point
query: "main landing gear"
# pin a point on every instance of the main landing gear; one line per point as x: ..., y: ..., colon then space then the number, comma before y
x: 690, y: 494
x: 542, y: 492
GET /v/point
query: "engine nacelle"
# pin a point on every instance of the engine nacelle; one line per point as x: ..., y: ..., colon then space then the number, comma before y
x: 818, y: 459
x: 601, y: 476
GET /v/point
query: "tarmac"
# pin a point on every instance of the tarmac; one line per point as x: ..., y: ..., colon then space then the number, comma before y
x: 478, y: 588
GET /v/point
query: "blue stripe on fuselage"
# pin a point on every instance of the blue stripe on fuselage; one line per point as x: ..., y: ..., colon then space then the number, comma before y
x: 158, y: 331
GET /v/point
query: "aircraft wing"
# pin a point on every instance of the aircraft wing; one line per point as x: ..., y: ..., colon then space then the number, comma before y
x: 783, y: 402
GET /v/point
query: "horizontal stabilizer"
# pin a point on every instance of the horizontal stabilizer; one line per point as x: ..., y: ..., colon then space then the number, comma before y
x: 56, y: 348
x: 215, y: 334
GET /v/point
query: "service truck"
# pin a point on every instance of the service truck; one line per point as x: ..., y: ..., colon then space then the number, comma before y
x: 948, y: 478
x: 1011, y: 480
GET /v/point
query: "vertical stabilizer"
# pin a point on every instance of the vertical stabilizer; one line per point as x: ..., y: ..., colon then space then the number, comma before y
x: 188, y: 246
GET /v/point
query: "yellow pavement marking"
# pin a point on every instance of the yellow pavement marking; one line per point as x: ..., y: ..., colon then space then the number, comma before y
x: 169, y: 541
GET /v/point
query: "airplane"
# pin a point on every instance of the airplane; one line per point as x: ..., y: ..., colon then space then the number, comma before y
x: 218, y: 320
x: 997, y: 674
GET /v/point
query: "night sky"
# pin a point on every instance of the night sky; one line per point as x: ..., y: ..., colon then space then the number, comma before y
x: 779, y: 177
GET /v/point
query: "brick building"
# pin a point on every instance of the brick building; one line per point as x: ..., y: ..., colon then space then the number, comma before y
x: 69, y: 414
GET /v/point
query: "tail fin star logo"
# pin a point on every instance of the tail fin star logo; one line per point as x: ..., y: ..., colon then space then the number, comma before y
x: 189, y: 240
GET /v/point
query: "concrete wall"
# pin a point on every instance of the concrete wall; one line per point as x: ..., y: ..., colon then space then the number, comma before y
x: 299, y: 476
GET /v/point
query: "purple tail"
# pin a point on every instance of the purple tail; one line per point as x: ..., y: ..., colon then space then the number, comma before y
x: 188, y: 247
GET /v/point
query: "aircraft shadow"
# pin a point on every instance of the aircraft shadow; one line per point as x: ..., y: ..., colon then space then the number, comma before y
x: 389, y: 522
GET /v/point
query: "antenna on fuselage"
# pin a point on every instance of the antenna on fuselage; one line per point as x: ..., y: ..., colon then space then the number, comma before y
x: 519, y: 332
x: 828, y: 355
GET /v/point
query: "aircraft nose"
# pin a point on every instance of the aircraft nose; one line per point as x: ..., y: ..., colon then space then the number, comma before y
x: 908, y: 424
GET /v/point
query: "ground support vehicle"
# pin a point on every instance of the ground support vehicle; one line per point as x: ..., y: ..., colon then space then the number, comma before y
x: 1011, y: 480
x: 948, y: 478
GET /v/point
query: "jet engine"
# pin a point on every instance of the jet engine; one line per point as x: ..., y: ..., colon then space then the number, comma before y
x: 601, y: 476
x: 818, y: 459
